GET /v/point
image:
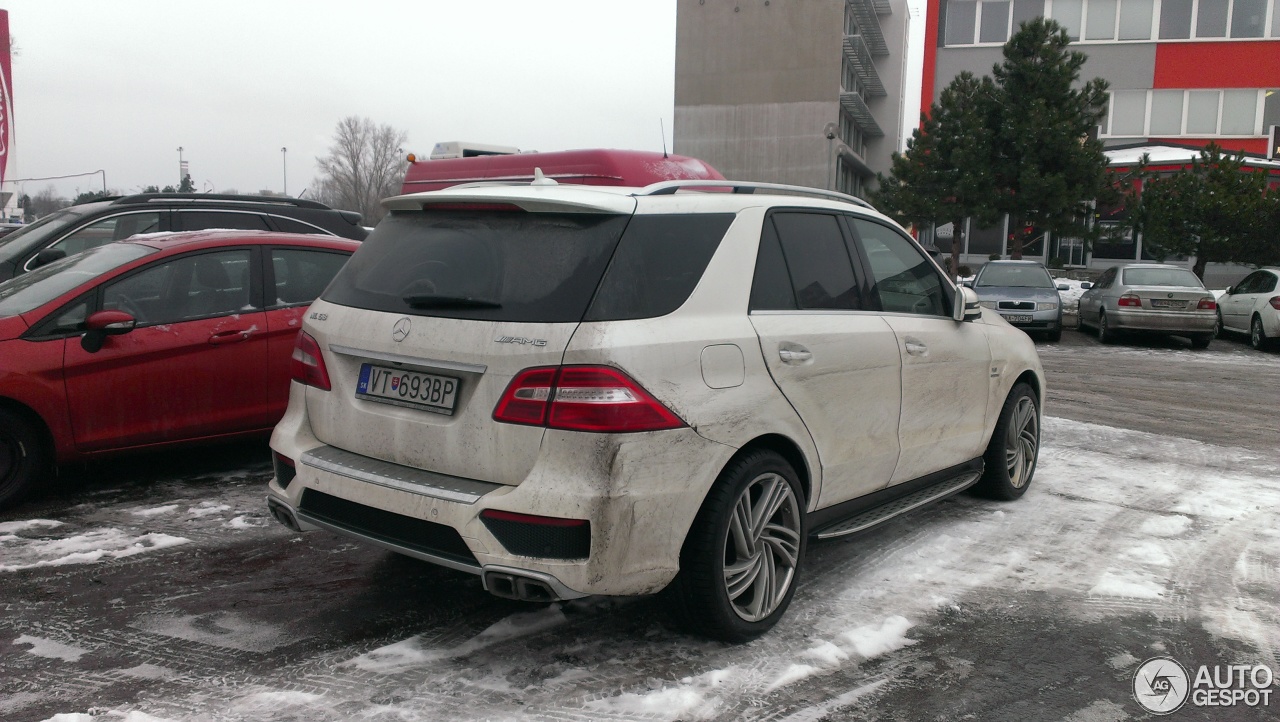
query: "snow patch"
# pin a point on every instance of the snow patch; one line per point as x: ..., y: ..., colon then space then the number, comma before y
x: 1113, y: 584
x: 1148, y: 553
x: 13, y: 527
x: 156, y: 511
x: 50, y: 649
x: 244, y: 521
x: 872, y: 641
x: 793, y: 673
x: 205, y: 508
x: 1122, y: 661
x: 1165, y: 525
x: 827, y: 654
x: 410, y: 652
x: 83, y: 548
x: 228, y: 630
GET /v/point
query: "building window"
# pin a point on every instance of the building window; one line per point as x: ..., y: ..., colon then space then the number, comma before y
x: 851, y: 135
x: 1194, y: 113
x: 847, y: 179
x: 989, y: 22
x: 1209, y: 19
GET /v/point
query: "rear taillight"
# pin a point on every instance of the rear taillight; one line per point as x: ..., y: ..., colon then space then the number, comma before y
x: 582, y: 398
x: 1275, y: 302
x: 1207, y: 304
x: 1129, y: 300
x: 307, y: 366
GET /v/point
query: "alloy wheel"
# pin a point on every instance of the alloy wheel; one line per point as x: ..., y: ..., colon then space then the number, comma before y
x: 762, y: 547
x: 1021, y: 441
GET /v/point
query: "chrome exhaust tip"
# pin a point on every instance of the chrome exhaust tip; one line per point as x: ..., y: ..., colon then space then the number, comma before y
x: 283, y: 514
x: 512, y: 586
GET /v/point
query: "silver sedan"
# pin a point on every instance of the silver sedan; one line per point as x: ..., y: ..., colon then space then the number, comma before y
x: 1150, y: 298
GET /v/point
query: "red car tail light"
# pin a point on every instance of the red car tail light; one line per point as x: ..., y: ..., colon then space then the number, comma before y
x: 307, y: 366
x: 1207, y: 304
x: 1129, y: 300
x: 527, y: 397
x: 582, y: 398
x: 1275, y: 302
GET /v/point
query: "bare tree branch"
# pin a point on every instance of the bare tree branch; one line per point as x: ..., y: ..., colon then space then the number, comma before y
x: 365, y: 164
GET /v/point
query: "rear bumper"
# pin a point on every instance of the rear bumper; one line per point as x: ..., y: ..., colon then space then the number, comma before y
x: 638, y: 492
x: 1171, y: 322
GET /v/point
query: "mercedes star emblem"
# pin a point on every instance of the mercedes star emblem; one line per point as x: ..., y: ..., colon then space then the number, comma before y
x: 401, y: 329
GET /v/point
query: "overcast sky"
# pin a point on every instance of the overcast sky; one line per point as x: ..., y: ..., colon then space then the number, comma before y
x: 121, y: 85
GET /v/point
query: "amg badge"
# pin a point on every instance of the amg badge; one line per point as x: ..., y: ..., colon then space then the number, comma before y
x: 521, y: 340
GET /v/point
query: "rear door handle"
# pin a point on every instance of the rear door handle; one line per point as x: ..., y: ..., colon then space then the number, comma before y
x: 225, y: 337
x: 915, y: 348
x: 794, y: 356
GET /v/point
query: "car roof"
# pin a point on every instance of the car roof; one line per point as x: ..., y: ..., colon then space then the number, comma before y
x: 186, y: 240
x: 1013, y: 262
x: 624, y: 199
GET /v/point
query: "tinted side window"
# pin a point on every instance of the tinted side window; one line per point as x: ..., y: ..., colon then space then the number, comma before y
x: 288, y: 225
x: 301, y: 276
x: 657, y: 264
x: 187, y: 288
x: 904, y: 279
x: 200, y: 220
x: 1266, y: 284
x: 771, y: 288
x: 817, y: 260
x: 108, y: 230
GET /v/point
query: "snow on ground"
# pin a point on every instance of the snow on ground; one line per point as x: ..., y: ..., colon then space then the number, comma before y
x: 94, y: 545
x: 1116, y: 523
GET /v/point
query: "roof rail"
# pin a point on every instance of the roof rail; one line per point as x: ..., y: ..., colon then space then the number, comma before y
x: 666, y: 188
x: 223, y: 197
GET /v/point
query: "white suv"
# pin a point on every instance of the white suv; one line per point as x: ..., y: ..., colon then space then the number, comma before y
x: 575, y: 390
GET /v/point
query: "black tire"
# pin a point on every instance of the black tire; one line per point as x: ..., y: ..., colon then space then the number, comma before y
x: 1106, y: 334
x: 700, y: 593
x: 1201, y: 342
x: 1008, y: 472
x: 1258, y: 335
x: 23, y: 458
x: 1217, y: 327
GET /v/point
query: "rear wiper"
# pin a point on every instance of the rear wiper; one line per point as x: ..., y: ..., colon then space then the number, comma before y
x: 423, y: 300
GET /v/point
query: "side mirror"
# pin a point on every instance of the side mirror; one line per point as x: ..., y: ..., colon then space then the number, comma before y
x: 967, y: 284
x: 1086, y: 286
x: 967, y: 307
x: 47, y: 256
x: 1063, y: 287
x: 102, y: 324
x: 1231, y: 290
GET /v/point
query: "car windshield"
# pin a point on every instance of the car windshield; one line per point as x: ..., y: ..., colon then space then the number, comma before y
x: 1014, y: 277
x: 1160, y: 277
x: 32, y: 290
x: 14, y: 244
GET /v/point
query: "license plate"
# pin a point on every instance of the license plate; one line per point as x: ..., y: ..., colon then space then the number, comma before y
x: 1166, y: 303
x: 1017, y: 317
x: 407, y: 388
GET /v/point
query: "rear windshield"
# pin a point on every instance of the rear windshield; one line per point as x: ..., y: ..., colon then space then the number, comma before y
x: 32, y: 290
x: 1015, y: 277
x: 530, y: 267
x: 1160, y: 277
x: 485, y: 265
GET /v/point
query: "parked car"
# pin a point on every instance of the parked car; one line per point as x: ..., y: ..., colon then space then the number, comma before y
x: 81, y: 227
x: 1024, y: 294
x: 1252, y: 306
x: 572, y: 391
x: 1150, y: 298
x: 152, y: 342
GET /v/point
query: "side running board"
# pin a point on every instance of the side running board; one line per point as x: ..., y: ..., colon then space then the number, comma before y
x: 896, y: 507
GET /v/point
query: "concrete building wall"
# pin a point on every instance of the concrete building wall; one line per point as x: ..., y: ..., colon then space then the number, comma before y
x: 757, y: 84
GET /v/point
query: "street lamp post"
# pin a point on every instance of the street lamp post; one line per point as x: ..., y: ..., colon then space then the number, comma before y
x: 180, y: 174
x: 284, y: 169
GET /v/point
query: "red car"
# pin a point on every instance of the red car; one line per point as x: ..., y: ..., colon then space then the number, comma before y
x: 152, y: 342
